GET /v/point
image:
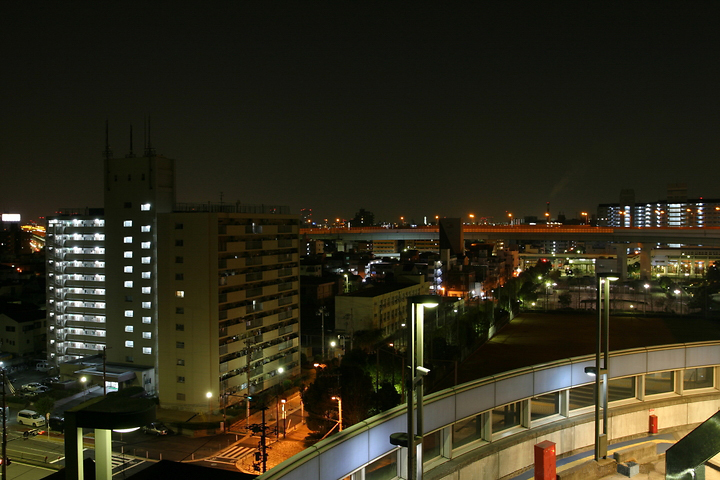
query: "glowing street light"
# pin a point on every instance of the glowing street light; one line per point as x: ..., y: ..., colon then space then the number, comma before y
x: 339, y: 400
x: 410, y: 439
x: 600, y: 371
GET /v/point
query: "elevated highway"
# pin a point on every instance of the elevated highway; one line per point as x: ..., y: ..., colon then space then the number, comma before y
x: 706, y: 236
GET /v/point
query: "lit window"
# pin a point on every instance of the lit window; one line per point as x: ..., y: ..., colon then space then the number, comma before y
x: 146, y: 275
x: 146, y: 320
x: 128, y: 284
x: 129, y: 343
x: 180, y: 293
x: 146, y: 289
x: 127, y: 269
x: 128, y: 254
x: 147, y: 350
x: 145, y: 245
x: 129, y: 313
x: 145, y: 304
x: 127, y: 223
x: 145, y: 228
x: 129, y: 328
x: 147, y: 335
x: 127, y: 239
x: 145, y: 207
x: 145, y: 260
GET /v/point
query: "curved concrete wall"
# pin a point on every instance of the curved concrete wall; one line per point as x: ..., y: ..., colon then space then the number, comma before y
x: 351, y: 450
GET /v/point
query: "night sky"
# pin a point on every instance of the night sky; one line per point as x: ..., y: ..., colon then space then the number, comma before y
x: 413, y: 109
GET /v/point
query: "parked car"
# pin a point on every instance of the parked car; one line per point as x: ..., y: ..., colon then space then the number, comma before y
x: 33, y: 386
x: 57, y: 424
x: 156, y: 428
x: 30, y: 417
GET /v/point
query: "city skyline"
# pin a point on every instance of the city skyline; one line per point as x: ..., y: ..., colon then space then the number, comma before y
x: 414, y: 112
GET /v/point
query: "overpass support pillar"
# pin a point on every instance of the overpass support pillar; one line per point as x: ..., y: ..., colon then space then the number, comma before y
x: 645, y: 263
x: 621, y: 252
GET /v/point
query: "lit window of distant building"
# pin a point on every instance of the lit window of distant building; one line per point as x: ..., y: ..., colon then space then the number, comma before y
x: 147, y: 350
x: 145, y: 245
x: 129, y: 343
x: 180, y: 293
x: 145, y: 260
x: 146, y: 290
x: 127, y: 239
x: 146, y: 275
x: 127, y: 269
x: 146, y: 320
x: 147, y: 335
x: 129, y: 328
x: 146, y: 305
x: 145, y: 228
x: 128, y: 254
x: 129, y: 313
x: 145, y: 207
x: 128, y: 284
x: 127, y: 223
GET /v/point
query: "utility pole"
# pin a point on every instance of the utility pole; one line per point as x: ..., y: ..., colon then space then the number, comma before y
x: 104, y: 358
x: 4, y: 426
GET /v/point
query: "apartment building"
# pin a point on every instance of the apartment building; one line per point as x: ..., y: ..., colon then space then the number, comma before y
x: 204, y: 297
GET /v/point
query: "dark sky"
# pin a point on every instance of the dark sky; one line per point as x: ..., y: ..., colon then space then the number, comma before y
x: 414, y: 109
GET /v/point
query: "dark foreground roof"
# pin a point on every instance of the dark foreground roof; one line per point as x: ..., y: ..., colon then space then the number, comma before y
x: 166, y: 469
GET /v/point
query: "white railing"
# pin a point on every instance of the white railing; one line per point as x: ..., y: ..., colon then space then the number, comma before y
x: 358, y: 451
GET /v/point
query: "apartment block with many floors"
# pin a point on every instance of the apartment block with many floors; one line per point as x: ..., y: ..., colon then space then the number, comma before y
x: 202, y: 299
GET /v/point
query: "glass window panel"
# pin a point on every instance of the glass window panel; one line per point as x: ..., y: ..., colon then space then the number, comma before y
x: 384, y: 468
x: 621, y: 389
x: 544, y: 406
x: 467, y: 431
x: 698, y: 378
x: 582, y: 396
x: 505, y: 417
x: 431, y: 445
x: 661, y: 382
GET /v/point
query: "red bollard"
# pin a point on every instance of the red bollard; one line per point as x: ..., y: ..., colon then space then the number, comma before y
x: 545, y: 461
x: 653, y: 424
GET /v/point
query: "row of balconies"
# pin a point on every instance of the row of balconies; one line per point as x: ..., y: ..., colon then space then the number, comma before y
x: 268, y: 259
x: 250, y: 245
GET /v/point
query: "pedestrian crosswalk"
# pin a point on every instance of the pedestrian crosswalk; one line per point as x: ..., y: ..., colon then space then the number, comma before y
x: 123, y: 462
x: 234, y: 453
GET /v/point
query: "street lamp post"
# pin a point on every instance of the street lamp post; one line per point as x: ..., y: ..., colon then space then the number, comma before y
x: 646, y: 286
x: 679, y: 292
x: 600, y: 371
x: 411, y: 440
x: 339, y: 400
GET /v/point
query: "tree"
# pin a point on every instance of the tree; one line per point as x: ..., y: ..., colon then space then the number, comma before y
x: 565, y: 299
x: 44, y: 405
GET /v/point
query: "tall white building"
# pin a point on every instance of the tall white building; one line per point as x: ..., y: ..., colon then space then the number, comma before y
x: 202, y: 299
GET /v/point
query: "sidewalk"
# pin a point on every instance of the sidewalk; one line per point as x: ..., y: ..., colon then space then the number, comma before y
x: 649, y: 471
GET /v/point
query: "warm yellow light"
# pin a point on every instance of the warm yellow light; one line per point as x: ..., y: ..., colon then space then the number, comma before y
x: 208, y: 394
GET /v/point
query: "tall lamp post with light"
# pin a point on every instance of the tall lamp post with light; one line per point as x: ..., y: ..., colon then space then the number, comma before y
x: 600, y: 370
x: 410, y: 439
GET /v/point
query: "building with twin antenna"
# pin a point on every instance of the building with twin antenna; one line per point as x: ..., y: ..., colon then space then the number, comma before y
x: 199, y: 304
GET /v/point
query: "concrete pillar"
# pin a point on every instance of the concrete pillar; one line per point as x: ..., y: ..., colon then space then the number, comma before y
x: 645, y: 263
x: 103, y: 454
x: 78, y: 457
x: 621, y: 252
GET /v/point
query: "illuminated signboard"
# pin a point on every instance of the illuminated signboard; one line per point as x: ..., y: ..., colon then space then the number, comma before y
x: 10, y: 217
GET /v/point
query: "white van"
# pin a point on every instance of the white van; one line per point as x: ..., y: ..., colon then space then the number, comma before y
x: 30, y: 417
x: 42, y: 367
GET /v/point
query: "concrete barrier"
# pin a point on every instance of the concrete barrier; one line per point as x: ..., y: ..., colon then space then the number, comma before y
x: 644, y: 453
x: 589, y: 470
